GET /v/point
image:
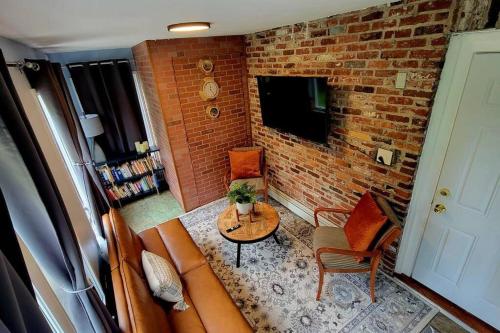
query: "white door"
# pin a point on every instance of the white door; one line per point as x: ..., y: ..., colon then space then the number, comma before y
x: 459, y: 256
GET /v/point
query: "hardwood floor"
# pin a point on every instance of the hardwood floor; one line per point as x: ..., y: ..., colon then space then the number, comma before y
x: 469, y: 319
x: 443, y: 324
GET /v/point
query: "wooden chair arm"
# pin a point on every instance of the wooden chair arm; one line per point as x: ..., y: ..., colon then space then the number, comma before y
x: 265, y: 175
x: 346, y: 252
x: 331, y: 210
x: 227, y: 180
x: 390, y: 238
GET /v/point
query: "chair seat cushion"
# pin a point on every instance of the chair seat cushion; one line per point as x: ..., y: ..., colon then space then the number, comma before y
x: 335, y: 237
x: 258, y: 182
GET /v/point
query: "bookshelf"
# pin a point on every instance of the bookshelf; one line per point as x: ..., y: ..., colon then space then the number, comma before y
x: 129, y: 178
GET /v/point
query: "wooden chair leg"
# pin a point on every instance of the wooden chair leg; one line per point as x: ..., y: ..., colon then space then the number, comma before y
x: 266, y: 196
x: 373, y: 275
x: 320, y: 286
x: 372, y: 285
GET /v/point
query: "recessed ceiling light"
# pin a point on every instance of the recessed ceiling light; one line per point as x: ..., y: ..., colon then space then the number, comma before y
x: 188, y: 26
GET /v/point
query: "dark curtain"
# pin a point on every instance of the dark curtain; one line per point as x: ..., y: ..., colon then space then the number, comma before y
x: 39, y: 215
x: 19, y: 311
x: 107, y: 89
x: 49, y: 82
x: 10, y: 246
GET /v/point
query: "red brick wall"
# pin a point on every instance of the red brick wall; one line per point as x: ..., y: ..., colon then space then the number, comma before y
x: 144, y: 68
x: 361, y: 53
x: 198, y: 143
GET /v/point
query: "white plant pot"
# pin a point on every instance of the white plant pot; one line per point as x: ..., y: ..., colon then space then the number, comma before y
x: 244, y: 208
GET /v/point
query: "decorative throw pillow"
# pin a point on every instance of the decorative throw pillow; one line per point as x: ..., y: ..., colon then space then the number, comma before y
x: 364, y: 223
x: 163, y: 280
x: 244, y: 164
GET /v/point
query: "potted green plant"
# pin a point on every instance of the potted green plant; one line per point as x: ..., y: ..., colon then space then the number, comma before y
x: 243, y: 195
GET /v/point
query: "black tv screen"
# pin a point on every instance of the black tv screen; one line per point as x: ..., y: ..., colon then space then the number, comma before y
x: 297, y: 105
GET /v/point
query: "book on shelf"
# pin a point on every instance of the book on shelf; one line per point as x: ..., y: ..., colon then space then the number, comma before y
x: 156, y: 160
x: 129, y: 189
x: 111, y: 174
x: 111, y: 194
x: 129, y: 177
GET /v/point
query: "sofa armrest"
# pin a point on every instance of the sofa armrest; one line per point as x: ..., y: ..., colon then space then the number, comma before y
x: 120, y: 300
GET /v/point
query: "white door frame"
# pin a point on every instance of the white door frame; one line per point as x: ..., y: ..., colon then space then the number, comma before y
x: 462, y: 48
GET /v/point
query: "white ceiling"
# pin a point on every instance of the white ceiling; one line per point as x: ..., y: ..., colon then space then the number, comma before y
x: 72, y: 25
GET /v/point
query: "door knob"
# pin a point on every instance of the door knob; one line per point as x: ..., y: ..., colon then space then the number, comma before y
x: 439, y: 208
x: 444, y: 192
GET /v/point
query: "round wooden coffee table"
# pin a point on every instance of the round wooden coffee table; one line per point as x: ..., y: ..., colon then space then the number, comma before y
x: 263, y: 223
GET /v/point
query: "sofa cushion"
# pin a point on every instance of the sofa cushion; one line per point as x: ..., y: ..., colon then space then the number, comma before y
x: 179, y: 244
x: 163, y: 280
x: 129, y: 245
x: 213, y: 304
x: 153, y: 243
x: 146, y: 314
x: 187, y: 321
x: 180, y: 321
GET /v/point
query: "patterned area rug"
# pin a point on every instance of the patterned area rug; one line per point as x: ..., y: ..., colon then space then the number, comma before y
x: 275, y: 286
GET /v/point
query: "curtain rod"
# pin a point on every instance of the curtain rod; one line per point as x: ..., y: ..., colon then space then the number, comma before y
x: 104, y: 62
x: 21, y: 64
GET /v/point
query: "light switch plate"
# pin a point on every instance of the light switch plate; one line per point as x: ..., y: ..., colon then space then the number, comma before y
x: 401, y: 80
x: 384, y: 156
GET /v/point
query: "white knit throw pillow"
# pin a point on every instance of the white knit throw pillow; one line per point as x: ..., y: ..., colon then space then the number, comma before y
x: 163, y: 280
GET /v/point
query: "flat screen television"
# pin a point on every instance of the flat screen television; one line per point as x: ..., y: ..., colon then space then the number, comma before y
x: 297, y: 105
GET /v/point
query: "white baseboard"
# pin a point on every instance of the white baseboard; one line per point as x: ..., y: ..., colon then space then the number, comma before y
x: 296, y: 207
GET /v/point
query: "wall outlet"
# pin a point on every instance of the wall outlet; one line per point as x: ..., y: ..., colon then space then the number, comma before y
x: 384, y: 156
x: 401, y: 80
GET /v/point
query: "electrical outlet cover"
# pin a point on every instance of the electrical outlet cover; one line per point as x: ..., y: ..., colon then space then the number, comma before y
x: 400, y: 80
x: 384, y: 156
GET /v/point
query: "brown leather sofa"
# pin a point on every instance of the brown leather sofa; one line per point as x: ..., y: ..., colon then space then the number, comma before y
x: 211, y: 309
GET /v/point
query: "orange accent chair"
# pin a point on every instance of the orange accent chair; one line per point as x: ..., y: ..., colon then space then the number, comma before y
x: 332, y: 248
x: 260, y: 183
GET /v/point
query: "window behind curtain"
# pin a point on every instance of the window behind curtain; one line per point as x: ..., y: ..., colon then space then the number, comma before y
x: 144, y: 110
x: 59, y: 132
